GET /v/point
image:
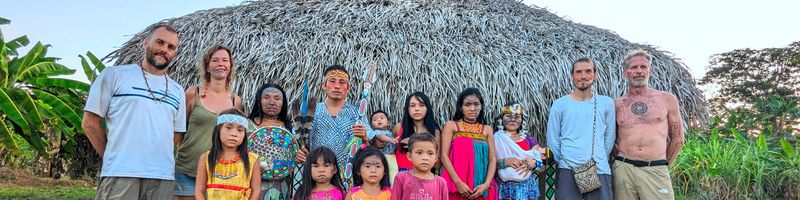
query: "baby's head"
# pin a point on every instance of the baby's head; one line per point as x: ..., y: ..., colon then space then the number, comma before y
x: 379, y: 120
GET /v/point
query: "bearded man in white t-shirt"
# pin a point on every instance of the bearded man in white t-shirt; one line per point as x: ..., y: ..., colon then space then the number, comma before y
x: 142, y: 108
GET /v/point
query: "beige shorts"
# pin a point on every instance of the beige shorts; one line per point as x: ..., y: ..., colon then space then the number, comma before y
x: 631, y: 182
x: 134, y: 188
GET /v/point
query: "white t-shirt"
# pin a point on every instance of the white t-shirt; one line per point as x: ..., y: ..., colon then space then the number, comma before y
x: 140, y: 128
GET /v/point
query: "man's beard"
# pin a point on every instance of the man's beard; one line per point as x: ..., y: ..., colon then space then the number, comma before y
x: 150, y: 57
x: 587, y: 87
x: 642, y: 83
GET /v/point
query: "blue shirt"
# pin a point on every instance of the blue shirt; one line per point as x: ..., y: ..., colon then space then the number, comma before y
x: 335, y: 132
x: 389, y: 148
x: 569, y: 128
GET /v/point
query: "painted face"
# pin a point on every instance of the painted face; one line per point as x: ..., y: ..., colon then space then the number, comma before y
x: 337, y: 84
x: 583, y: 75
x: 511, y: 122
x: 321, y: 171
x: 372, y: 170
x: 471, y: 108
x: 637, y: 73
x: 379, y: 121
x: 161, y: 48
x: 231, y: 135
x: 417, y: 109
x: 271, y: 104
x: 423, y: 155
x: 220, y: 65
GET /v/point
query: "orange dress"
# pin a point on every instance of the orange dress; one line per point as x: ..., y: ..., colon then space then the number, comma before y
x: 357, y: 194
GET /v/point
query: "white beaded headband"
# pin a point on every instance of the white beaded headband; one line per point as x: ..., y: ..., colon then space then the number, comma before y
x: 231, y: 118
x: 271, y: 90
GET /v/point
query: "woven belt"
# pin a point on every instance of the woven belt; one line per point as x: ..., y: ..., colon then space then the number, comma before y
x: 639, y: 163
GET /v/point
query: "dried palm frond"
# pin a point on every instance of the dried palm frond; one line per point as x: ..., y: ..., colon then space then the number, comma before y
x: 509, y: 50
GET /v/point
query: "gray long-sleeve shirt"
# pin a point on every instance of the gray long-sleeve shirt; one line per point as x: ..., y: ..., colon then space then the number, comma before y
x: 569, y: 128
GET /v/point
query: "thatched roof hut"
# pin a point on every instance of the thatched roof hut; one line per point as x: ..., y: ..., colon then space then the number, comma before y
x: 505, y: 48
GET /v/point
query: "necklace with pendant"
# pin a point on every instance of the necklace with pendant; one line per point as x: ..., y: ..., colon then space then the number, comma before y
x: 150, y: 91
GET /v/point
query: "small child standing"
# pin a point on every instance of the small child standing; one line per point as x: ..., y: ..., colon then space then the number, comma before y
x: 321, y: 179
x: 420, y: 182
x: 384, y: 140
x: 371, y: 181
x: 228, y: 171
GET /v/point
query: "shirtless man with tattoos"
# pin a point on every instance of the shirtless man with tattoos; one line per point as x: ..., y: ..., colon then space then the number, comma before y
x: 649, y: 134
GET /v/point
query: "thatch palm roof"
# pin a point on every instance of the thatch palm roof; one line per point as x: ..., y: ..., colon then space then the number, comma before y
x: 505, y: 48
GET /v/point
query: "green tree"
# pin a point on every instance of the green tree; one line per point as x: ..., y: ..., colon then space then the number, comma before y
x: 781, y: 114
x: 33, y: 100
x: 758, y: 87
x: 745, y: 75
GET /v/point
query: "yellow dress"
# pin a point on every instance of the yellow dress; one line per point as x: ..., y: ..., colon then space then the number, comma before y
x: 357, y: 194
x: 230, y: 181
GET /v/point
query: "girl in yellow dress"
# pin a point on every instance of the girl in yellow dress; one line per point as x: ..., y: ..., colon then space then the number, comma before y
x: 228, y: 171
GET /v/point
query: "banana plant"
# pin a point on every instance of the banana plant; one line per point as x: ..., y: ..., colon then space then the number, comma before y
x: 91, y: 72
x: 31, y: 95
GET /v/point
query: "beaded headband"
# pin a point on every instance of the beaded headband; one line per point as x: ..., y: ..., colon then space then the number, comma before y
x: 271, y: 90
x: 337, y: 73
x: 513, y: 109
x: 231, y: 118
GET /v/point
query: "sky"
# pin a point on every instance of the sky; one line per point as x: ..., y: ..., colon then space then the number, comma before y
x: 74, y: 27
x: 691, y: 30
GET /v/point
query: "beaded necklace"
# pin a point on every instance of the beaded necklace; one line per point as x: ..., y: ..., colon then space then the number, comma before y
x: 226, y: 169
x: 473, y: 126
x: 150, y: 91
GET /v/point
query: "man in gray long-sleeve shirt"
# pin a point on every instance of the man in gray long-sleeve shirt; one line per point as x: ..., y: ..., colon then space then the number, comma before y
x: 582, y: 126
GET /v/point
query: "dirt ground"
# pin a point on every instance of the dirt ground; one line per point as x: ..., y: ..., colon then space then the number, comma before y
x: 18, y: 178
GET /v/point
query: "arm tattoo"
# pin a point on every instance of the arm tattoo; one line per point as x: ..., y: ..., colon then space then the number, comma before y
x: 673, y: 129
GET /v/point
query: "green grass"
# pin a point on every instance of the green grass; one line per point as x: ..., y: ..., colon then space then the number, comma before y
x: 47, y: 193
x: 708, y: 167
x: 737, y: 168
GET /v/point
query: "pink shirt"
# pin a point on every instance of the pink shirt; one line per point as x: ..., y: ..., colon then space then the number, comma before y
x: 332, y: 194
x: 407, y: 186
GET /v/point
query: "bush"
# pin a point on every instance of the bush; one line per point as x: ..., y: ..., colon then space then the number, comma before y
x: 735, y: 167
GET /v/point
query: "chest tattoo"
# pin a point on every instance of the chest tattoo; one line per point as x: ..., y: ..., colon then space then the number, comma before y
x: 639, y: 108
